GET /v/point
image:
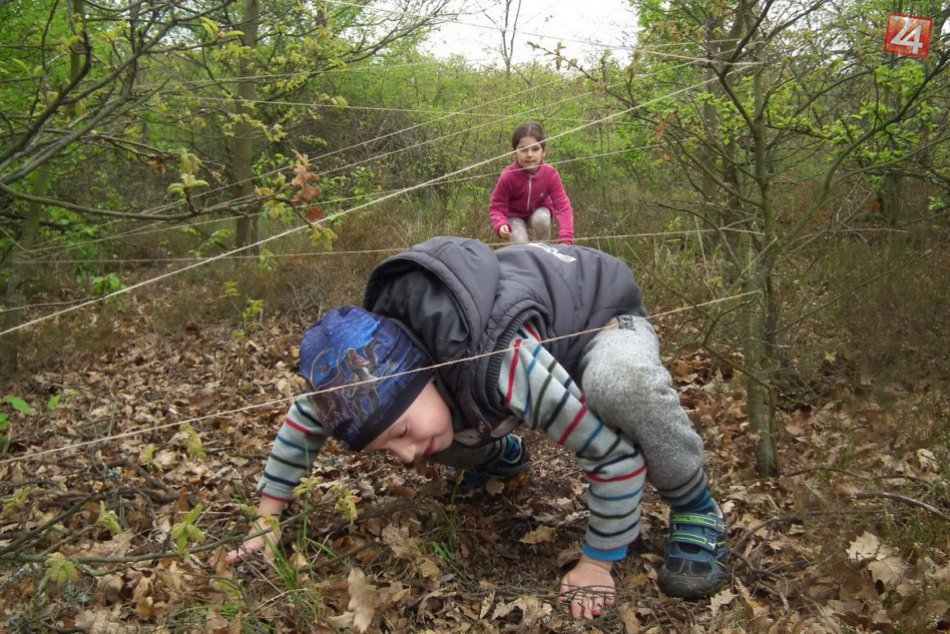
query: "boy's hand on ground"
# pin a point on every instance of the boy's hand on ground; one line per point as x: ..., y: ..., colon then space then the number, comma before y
x: 248, y: 549
x: 588, y: 588
x: 504, y: 231
x: 256, y: 543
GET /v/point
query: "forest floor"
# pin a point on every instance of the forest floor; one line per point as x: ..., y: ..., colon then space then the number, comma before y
x: 116, y: 496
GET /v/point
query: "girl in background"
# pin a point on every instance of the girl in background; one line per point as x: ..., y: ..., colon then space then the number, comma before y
x: 529, y: 192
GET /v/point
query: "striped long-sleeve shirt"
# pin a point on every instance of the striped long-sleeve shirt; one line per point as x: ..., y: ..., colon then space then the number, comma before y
x: 539, y: 392
x: 297, y: 445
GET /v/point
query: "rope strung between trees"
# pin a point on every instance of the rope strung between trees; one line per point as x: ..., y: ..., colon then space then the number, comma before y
x: 376, y: 139
x: 253, y: 197
x: 614, y: 236
x: 150, y: 229
x: 279, y: 401
x: 282, y: 234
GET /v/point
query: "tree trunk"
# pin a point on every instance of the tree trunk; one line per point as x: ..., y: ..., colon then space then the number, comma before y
x: 761, y: 314
x: 21, y: 273
x: 759, y: 401
x: 247, y: 231
x: 891, y: 183
x: 21, y: 267
x: 890, y: 196
x: 508, y: 41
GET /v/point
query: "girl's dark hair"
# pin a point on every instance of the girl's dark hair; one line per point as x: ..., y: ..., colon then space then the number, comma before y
x: 527, y: 129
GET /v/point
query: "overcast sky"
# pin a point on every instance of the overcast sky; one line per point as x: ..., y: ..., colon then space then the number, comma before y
x: 572, y: 22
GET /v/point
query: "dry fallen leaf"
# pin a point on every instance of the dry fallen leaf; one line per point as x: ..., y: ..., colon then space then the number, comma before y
x: 504, y: 609
x: 110, y: 586
x: 403, y: 546
x: 539, y: 535
x: 532, y: 610
x: 722, y: 598
x: 100, y: 621
x: 494, y: 487
x: 865, y: 546
x: 486, y: 605
x: 363, y: 599
x: 299, y: 562
x: 427, y: 568
x: 928, y: 460
x: 887, y: 570
x: 630, y: 621
x: 755, y: 607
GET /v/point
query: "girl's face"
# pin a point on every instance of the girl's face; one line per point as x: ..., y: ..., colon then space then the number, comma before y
x: 529, y: 154
x: 423, y: 429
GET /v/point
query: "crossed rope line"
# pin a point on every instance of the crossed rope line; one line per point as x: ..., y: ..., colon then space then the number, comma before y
x: 341, y: 214
x: 255, y: 406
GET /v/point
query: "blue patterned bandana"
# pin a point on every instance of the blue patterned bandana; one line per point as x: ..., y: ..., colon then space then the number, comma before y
x: 346, y: 353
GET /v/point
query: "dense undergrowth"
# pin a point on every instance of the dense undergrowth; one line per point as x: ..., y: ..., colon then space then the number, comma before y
x: 148, y: 419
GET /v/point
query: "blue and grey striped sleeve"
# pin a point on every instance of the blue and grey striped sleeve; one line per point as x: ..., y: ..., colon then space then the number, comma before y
x: 539, y: 390
x: 298, y: 442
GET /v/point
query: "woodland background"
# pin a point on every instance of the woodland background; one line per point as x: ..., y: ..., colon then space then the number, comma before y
x: 185, y: 186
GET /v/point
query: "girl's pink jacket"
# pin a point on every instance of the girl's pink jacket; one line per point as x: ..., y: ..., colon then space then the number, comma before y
x: 518, y: 193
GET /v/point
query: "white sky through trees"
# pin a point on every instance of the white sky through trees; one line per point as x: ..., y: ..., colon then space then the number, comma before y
x: 545, y: 22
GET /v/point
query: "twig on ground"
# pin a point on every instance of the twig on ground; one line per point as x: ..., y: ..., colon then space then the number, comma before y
x: 851, y: 474
x: 865, y: 495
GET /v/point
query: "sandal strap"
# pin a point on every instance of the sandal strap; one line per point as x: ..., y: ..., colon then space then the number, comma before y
x: 711, y: 529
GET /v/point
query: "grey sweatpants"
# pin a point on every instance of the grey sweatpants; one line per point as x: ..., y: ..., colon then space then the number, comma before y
x: 625, y: 383
x: 538, y: 224
x: 627, y: 386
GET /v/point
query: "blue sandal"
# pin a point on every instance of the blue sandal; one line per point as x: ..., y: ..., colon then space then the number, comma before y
x: 513, y: 461
x: 697, y: 555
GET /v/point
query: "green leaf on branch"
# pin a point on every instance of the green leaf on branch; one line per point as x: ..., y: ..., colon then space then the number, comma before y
x: 322, y: 238
x: 186, y: 532
x: 211, y: 28
x: 193, y: 444
x: 189, y: 163
x: 60, y: 570
x: 147, y: 458
x: 108, y: 519
x: 307, y: 486
x: 19, y: 404
x: 18, y: 500
x: 106, y: 284
x: 346, y: 505
x: 230, y: 290
x: 266, y: 260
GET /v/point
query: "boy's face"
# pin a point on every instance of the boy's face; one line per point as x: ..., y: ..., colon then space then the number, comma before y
x: 529, y: 154
x: 423, y: 429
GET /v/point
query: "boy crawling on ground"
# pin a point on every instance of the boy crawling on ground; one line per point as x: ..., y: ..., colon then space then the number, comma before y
x: 459, y: 345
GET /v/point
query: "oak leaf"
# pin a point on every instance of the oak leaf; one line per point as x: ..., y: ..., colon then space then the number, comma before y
x: 363, y: 599
x: 722, y: 598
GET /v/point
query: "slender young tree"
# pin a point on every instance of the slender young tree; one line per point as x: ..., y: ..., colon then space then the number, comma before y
x: 794, y: 108
x: 95, y: 90
x: 253, y: 87
x: 72, y: 86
